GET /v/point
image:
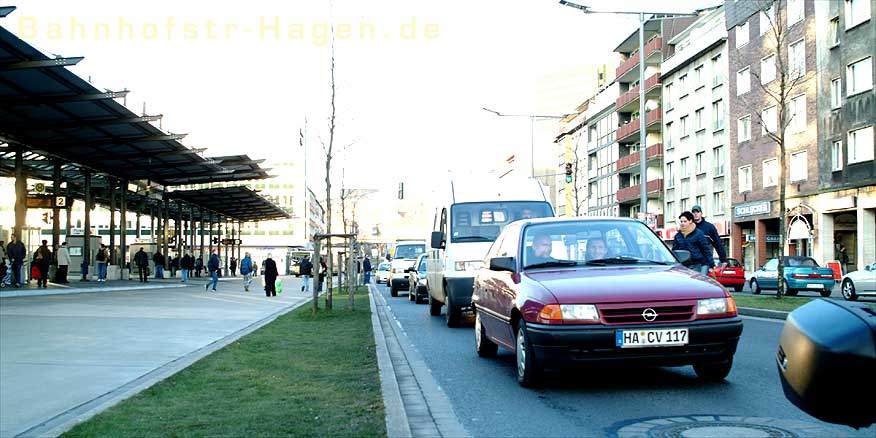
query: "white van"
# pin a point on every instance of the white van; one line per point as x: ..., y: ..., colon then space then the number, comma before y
x: 404, y: 255
x: 465, y: 226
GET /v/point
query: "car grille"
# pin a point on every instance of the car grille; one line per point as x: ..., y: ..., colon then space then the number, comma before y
x: 633, y: 315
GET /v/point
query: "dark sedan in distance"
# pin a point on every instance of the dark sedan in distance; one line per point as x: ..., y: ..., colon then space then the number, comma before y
x: 598, y: 290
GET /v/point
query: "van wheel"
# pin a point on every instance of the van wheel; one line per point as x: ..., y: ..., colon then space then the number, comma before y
x: 451, y: 313
x: 528, y: 372
x: 434, y: 307
x: 484, y: 346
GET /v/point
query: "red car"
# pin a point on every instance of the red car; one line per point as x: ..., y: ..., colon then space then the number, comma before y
x: 599, y: 291
x: 733, y: 275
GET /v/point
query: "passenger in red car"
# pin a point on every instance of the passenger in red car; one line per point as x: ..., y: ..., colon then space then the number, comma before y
x: 596, y: 249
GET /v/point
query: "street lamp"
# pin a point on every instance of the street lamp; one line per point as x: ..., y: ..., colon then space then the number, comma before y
x: 643, y: 168
x: 532, y: 118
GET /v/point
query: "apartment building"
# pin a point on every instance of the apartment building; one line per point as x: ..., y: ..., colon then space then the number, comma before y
x: 695, y: 140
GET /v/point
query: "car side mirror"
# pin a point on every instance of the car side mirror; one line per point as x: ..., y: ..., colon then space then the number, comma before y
x: 867, y: 268
x: 437, y: 240
x: 503, y: 264
x: 682, y: 255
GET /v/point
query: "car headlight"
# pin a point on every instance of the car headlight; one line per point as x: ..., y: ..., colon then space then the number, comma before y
x: 473, y: 265
x: 555, y: 313
x: 713, y: 306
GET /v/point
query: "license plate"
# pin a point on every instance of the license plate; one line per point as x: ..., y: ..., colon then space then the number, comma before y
x: 651, y: 338
x: 815, y: 286
x: 729, y: 271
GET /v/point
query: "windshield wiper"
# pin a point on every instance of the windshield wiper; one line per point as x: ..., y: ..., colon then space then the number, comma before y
x: 622, y: 260
x: 472, y: 239
x: 552, y: 263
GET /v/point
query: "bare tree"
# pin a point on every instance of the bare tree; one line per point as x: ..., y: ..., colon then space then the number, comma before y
x: 579, y: 174
x: 777, y: 94
x: 328, y: 150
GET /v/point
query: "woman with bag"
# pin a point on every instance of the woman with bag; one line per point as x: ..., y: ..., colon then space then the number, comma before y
x: 41, y: 260
x: 270, y: 272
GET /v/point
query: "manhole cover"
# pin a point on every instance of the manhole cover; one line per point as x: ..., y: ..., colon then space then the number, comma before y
x: 710, y: 426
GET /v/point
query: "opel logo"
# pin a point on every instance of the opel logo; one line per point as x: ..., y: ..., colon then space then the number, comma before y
x: 649, y: 314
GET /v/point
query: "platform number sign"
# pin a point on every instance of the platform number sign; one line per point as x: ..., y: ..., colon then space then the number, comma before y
x: 61, y: 201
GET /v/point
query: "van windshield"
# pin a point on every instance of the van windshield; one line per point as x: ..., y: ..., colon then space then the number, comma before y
x: 482, y: 221
x: 409, y: 251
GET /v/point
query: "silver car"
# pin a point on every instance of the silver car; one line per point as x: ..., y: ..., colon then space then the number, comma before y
x: 382, y: 272
x: 860, y: 283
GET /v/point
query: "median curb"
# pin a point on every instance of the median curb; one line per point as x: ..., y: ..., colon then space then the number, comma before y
x: 396, y: 421
x: 763, y: 313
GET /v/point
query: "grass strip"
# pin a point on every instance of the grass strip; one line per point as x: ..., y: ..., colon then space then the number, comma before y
x: 300, y: 375
x: 770, y: 302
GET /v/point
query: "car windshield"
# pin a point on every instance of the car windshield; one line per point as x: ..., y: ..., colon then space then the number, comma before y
x: 592, y: 243
x: 482, y: 221
x: 409, y: 251
x: 383, y: 267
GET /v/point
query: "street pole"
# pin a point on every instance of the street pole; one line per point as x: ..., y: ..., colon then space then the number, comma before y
x: 643, y: 166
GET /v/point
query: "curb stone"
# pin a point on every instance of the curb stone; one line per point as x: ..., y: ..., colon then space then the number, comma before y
x: 763, y: 313
x: 396, y: 421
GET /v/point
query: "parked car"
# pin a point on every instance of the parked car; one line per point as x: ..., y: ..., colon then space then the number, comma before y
x: 732, y: 275
x: 382, y: 272
x: 801, y: 274
x: 418, y: 292
x: 608, y: 290
x: 859, y: 283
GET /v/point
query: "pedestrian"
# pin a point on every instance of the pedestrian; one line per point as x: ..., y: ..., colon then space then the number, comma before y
x: 141, y: 259
x: 174, y: 265
x: 246, y: 271
x: 158, y: 259
x: 691, y: 239
x: 213, y: 267
x: 233, y: 266
x: 711, y: 233
x: 323, y: 269
x: 255, y: 269
x: 199, y: 266
x: 63, y: 264
x: 2, y: 251
x: 101, y: 259
x: 270, y: 273
x: 843, y: 259
x: 366, y: 266
x: 186, y: 264
x: 305, y: 269
x: 16, y: 252
x: 41, y: 260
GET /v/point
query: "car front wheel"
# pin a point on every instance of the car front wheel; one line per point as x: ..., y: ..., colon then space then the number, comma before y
x: 713, y: 371
x: 527, y: 366
x: 755, y: 288
x: 484, y: 346
x: 849, y: 290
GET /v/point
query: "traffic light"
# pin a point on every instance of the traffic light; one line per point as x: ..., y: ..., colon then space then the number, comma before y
x: 401, y: 190
x: 568, y: 173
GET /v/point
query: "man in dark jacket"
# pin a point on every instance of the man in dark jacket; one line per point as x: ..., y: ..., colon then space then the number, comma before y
x: 158, y: 260
x: 270, y: 273
x: 691, y: 239
x: 141, y: 259
x: 186, y: 264
x: 711, y: 233
x: 213, y: 267
x: 366, y: 266
x: 306, y: 271
x: 16, y: 253
x: 41, y: 259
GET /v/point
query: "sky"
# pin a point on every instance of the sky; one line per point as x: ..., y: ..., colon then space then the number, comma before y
x: 411, y: 76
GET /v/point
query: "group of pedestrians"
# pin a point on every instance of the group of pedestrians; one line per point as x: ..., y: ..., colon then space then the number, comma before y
x: 16, y: 254
x: 698, y: 236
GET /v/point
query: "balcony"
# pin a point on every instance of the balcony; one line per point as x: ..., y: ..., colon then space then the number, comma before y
x: 630, y: 163
x: 653, y: 46
x: 626, y: 133
x: 630, y: 195
x: 629, y: 101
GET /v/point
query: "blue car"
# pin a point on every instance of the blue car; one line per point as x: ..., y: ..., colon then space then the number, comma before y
x: 801, y: 274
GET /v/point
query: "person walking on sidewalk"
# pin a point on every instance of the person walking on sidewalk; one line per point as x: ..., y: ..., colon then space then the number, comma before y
x: 246, y: 271
x: 366, y: 266
x: 101, y: 259
x: 213, y: 267
x: 174, y: 265
x: 158, y: 259
x: 323, y: 269
x: 711, y: 233
x: 270, y: 273
x: 141, y: 259
x: 16, y: 253
x: 306, y: 271
x: 186, y: 265
x: 41, y: 259
x: 234, y: 266
x: 690, y: 238
x: 199, y: 266
x: 63, y: 264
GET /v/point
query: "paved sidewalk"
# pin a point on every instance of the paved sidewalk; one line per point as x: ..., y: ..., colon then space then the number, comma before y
x: 76, y: 286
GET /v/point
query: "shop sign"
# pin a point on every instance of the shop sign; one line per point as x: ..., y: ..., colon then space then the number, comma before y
x: 752, y: 209
x: 770, y: 238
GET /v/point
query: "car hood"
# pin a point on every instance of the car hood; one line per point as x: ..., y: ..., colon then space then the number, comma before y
x: 467, y: 251
x: 402, y: 263
x: 598, y: 285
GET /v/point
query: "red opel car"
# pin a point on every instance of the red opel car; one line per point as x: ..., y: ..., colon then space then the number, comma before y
x: 587, y: 290
x: 733, y: 275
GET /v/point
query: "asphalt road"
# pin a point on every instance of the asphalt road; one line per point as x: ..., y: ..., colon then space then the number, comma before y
x: 599, y: 402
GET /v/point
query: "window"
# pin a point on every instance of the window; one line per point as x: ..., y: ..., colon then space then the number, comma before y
x: 745, y: 178
x: 668, y: 136
x: 770, y: 172
x: 836, y: 156
x: 718, y: 203
x: 667, y: 96
x: 743, y: 81
x: 701, y: 201
x: 861, y: 145
x: 767, y: 18
x: 794, y: 12
x: 718, y: 115
x: 742, y: 35
x: 859, y: 76
x: 635, y: 179
x: 797, y: 59
x: 744, y: 128
x: 682, y: 85
x: 857, y: 12
x: 718, y: 160
x: 768, y: 120
x: 684, y: 171
x: 698, y: 119
x: 797, y: 110
x: 798, y: 166
x: 836, y: 93
x: 768, y: 69
x: 698, y: 76
x: 834, y: 31
x: 684, y: 203
x: 670, y: 175
x: 717, y: 71
x: 700, y: 162
x: 670, y: 209
x: 683, y: 122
